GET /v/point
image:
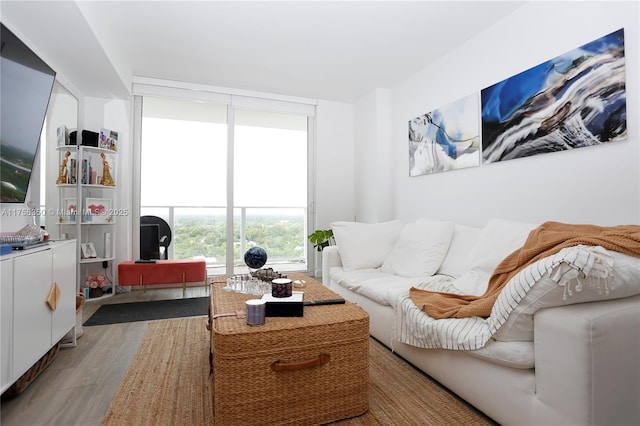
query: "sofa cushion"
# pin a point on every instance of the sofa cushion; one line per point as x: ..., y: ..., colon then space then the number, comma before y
x: 420, y: 249
x: 365, y: 245
x: 458, y: 260
x: 509, y: 354
x: 498, y: 239
x: 374, y: 284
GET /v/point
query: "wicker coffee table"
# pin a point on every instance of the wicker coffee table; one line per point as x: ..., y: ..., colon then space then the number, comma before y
x: 304, y: 370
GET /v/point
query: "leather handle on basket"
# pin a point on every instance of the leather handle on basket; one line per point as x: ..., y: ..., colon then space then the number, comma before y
x: 320, y: 360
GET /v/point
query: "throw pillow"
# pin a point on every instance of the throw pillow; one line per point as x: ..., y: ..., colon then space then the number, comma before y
x: 499, y: 238
x: 365, y: 245
x: 457, y: 260
x: 420, y: 249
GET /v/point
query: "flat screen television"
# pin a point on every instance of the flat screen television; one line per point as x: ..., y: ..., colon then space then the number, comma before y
x: 26, y: 82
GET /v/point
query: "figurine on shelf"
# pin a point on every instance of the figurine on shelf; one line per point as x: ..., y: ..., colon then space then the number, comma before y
x: 106, y: 179
x: 62, y: 176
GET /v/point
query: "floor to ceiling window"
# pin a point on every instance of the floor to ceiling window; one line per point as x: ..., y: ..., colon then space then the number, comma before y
x: 183, y: 174
x: 270, y: 185
x: 226, y: 179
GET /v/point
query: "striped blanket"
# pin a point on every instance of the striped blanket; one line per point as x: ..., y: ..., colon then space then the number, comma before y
x: 546, y: 240
x: 572, y: 269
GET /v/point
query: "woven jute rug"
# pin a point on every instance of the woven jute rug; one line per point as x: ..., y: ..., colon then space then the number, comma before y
x: 168, y: 384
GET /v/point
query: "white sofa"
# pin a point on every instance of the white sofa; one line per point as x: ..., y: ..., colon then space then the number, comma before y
x: 567, y: 353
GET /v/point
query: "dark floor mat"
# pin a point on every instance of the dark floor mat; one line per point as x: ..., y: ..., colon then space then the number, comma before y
x: 146, y: 311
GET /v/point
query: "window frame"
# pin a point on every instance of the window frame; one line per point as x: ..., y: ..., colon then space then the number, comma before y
x: 234, y: 99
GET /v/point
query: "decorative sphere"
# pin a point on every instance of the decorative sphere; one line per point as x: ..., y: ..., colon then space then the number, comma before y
x: 255, y: 257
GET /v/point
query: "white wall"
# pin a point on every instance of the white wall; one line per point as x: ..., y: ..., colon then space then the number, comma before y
x: 334, y: 168
x: 373, y: 177
x: 598, y: 185
x: 334, y: 157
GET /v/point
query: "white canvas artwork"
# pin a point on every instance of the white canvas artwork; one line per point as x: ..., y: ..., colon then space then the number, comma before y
x: 446, y: 138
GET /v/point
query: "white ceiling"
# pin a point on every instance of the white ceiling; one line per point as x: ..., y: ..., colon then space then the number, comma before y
x: 333, y: 50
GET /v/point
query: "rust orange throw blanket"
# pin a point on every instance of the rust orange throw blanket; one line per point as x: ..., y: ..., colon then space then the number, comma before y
x: 546, y: 240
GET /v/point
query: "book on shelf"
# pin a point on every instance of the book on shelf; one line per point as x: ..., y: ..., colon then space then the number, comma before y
x: 86, y: 171
x: 74, y: 171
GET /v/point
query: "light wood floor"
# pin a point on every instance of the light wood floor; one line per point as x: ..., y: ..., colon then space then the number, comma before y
x: 77, y: 387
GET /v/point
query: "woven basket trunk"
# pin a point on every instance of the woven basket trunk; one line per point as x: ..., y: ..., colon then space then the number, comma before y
x: 308, y: 370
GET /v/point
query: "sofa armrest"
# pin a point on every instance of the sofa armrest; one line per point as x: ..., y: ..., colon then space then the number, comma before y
x: 330, y: 258
x: 587, y: 360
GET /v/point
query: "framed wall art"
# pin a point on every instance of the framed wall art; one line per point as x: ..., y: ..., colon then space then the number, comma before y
x: 88, y: 251
x: 574, y: 100
x: 101, y: 210
x: 108, y: 139
x: 69, y: 209
x: 445, y: 139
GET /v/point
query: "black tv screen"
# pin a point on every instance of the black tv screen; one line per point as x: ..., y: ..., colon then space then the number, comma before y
x: 149, y: 241
x: 25, y: 88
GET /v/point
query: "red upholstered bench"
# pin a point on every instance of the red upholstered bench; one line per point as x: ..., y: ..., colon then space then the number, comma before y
x: 162, y: 272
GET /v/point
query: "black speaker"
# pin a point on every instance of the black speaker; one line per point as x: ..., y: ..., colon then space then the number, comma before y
x: 89, y: 138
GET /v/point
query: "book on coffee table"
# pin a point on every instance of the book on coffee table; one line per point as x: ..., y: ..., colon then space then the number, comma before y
x: 292, y: 306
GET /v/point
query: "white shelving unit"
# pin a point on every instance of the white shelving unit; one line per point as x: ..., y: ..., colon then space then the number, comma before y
x: 87, y: 211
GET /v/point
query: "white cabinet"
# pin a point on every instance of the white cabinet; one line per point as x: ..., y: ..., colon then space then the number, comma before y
x: 31, y: 327
x: 64, y: 273
x: 6, y: 320
x: 32, y: 317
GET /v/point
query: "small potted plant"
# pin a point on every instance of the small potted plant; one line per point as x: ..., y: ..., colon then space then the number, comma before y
x: 321, y: 238
x: 95, y: 283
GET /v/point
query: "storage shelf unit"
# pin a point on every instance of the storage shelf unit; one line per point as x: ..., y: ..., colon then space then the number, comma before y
x: 86, y: 195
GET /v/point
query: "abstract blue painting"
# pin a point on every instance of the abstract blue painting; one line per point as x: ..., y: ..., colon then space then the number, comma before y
x: 574, y: 100
x: 446, y: 138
